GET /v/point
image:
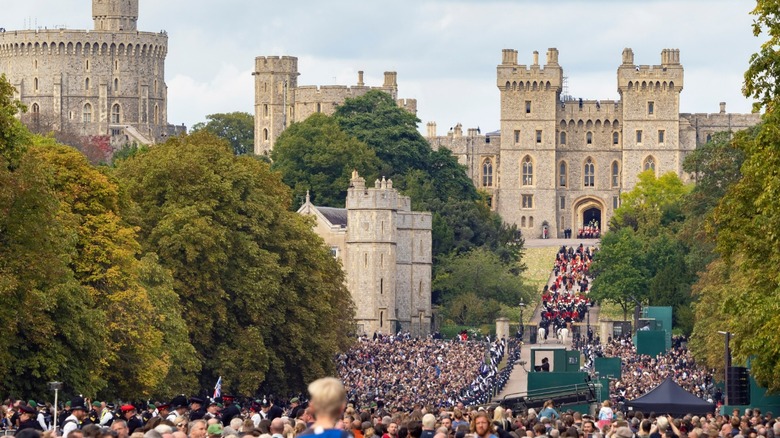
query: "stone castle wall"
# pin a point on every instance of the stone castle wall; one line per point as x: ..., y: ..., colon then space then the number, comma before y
x: 280, y: 101
x: 91, y: 83
x: 568, y: 138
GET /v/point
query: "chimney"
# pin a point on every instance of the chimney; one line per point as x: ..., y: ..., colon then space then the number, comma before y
x: 431, y: 129
x: 628, y: 56
x: 509, y: 57
x: 391, y: 79
x: 552, y: 56
x: 536, y: 57
x: 723, y: 107
x: 360, y: 79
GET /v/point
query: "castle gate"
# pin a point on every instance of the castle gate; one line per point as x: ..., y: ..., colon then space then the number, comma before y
x: 589, y: 210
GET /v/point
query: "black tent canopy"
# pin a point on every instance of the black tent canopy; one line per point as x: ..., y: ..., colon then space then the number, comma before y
x: 670, y: 398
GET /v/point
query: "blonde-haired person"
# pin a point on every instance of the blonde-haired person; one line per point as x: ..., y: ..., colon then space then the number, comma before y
x: 327, y: 401
x: 605, y: 414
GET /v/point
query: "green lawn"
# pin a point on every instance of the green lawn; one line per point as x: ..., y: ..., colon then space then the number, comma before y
x: 539, y: 262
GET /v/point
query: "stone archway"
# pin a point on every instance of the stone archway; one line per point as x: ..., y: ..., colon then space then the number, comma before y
x: 589, y: 210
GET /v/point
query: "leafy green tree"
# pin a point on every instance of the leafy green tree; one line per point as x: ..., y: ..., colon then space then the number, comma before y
x: 317, y: 155
x: 652, y: 202
x: 619, y: 270
x: 238, y: 128
x: 482, y: 273
x: 13, y: 135
x: 265, y: 303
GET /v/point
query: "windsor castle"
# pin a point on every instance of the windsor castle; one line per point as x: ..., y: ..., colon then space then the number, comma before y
x: 556, y: 163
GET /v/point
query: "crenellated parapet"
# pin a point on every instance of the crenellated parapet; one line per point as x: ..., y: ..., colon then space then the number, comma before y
x: 83, y: 43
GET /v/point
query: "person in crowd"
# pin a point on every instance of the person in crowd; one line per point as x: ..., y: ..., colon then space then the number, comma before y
x: 481, y: 426
x: 78, y: 412
x: 328, y: 400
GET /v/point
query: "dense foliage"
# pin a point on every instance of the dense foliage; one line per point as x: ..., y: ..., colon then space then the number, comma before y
x: 372, y: 134
x: 237, y: 128
x: 151, y: 279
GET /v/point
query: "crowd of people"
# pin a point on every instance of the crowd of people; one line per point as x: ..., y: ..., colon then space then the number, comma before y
x: 398, y: 370
x: 566, y: 300
x: 590, y: 231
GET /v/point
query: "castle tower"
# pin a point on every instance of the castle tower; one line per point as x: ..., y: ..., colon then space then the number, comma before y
x: 371, y: 245
x: 276, y: 79
x: 115, y: 15
x: 651, y: 115
x: 529, y: 100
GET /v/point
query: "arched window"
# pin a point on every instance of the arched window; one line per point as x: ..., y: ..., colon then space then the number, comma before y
x: 649, y: 164
x: 86, y: 84
x: 265, y: 134
x: 116, y: 85
x: 319, y: 107
x: 563, y: 138
x: 589, y: 174
x: 522, y: 222
x: 562, y: 177
x: 265, y: 110
x: 36, y: 112
x: 528, y: 171
x: 487, y: 173
x: 156, y: 114
x: 530, y: 222
x: 115, y: 113
x: 35, y: 84
x: 615, y: 138
x: 589, y: 138
x: 615, y: 174
x: 709, y: 138
x: 87, y: 115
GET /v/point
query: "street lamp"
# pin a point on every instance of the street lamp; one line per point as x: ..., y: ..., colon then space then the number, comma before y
x: 726, y: 366
x: 55, y: 386
x: 522, y: 326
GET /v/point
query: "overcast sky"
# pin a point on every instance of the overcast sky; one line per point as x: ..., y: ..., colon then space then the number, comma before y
x: 445, y: 52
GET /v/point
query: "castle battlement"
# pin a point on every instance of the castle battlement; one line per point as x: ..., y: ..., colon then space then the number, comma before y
x: 81, y: 42
x: 572, y: 109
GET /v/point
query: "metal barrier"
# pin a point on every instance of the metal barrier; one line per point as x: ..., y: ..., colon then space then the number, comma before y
x: 580, y: 393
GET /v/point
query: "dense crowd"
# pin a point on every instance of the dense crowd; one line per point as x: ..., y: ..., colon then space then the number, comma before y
x: 565, y: 300
x: 402, y: 371
x: 642, y: 373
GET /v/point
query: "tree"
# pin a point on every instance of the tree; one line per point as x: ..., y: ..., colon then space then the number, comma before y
x: 135, y: 361
x: 652, y: 202
x: 13, y: 135
x: 238, y: 128
x: 482, y: 273
x: 265, y: 303
x: 317, y: 155
x: 619, y: 270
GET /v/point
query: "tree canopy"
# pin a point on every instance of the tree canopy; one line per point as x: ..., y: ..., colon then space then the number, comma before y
x: 238, y: 128
x: 263, y: 299
x: 317, y: 155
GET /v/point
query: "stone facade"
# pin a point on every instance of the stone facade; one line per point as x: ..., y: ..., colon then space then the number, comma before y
x: 560, y: 163
x: 109, y: 81
x: 280, y: 101
x: 386, y: 251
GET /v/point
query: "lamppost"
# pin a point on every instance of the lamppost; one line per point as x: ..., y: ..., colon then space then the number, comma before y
x: 522, y: 326
x: 55, y: 386
x: 726, y: 366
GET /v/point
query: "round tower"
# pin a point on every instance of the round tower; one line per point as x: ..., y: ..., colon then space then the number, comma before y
x: 276, y: 79
x: 89, y: 83
x: 115, y: 15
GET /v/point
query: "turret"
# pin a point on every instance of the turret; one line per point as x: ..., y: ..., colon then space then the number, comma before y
x: 115, y: 15
x: 276, y: 78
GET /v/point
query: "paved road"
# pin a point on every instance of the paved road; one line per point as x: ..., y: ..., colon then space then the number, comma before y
x: 518, y: 380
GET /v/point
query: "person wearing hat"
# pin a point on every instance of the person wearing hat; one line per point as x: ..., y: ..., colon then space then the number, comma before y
x: 106, y: 417
x: 295, y: 406
x: 28, y: 418
x: 94, y: 414
x: 270, y: 410
x: 212, y: 411
x: 231, y: 411
x: 132, y: 420
x: 39, y: 417
x: 197, y: 409
x: 178, y: 408
x: 214, y: 430
x: 78, y: 412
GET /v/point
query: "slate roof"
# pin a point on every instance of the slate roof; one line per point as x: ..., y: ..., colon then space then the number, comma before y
x: 336, y: 216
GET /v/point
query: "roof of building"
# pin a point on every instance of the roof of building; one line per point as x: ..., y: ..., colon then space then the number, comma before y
x: 336, y: 216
